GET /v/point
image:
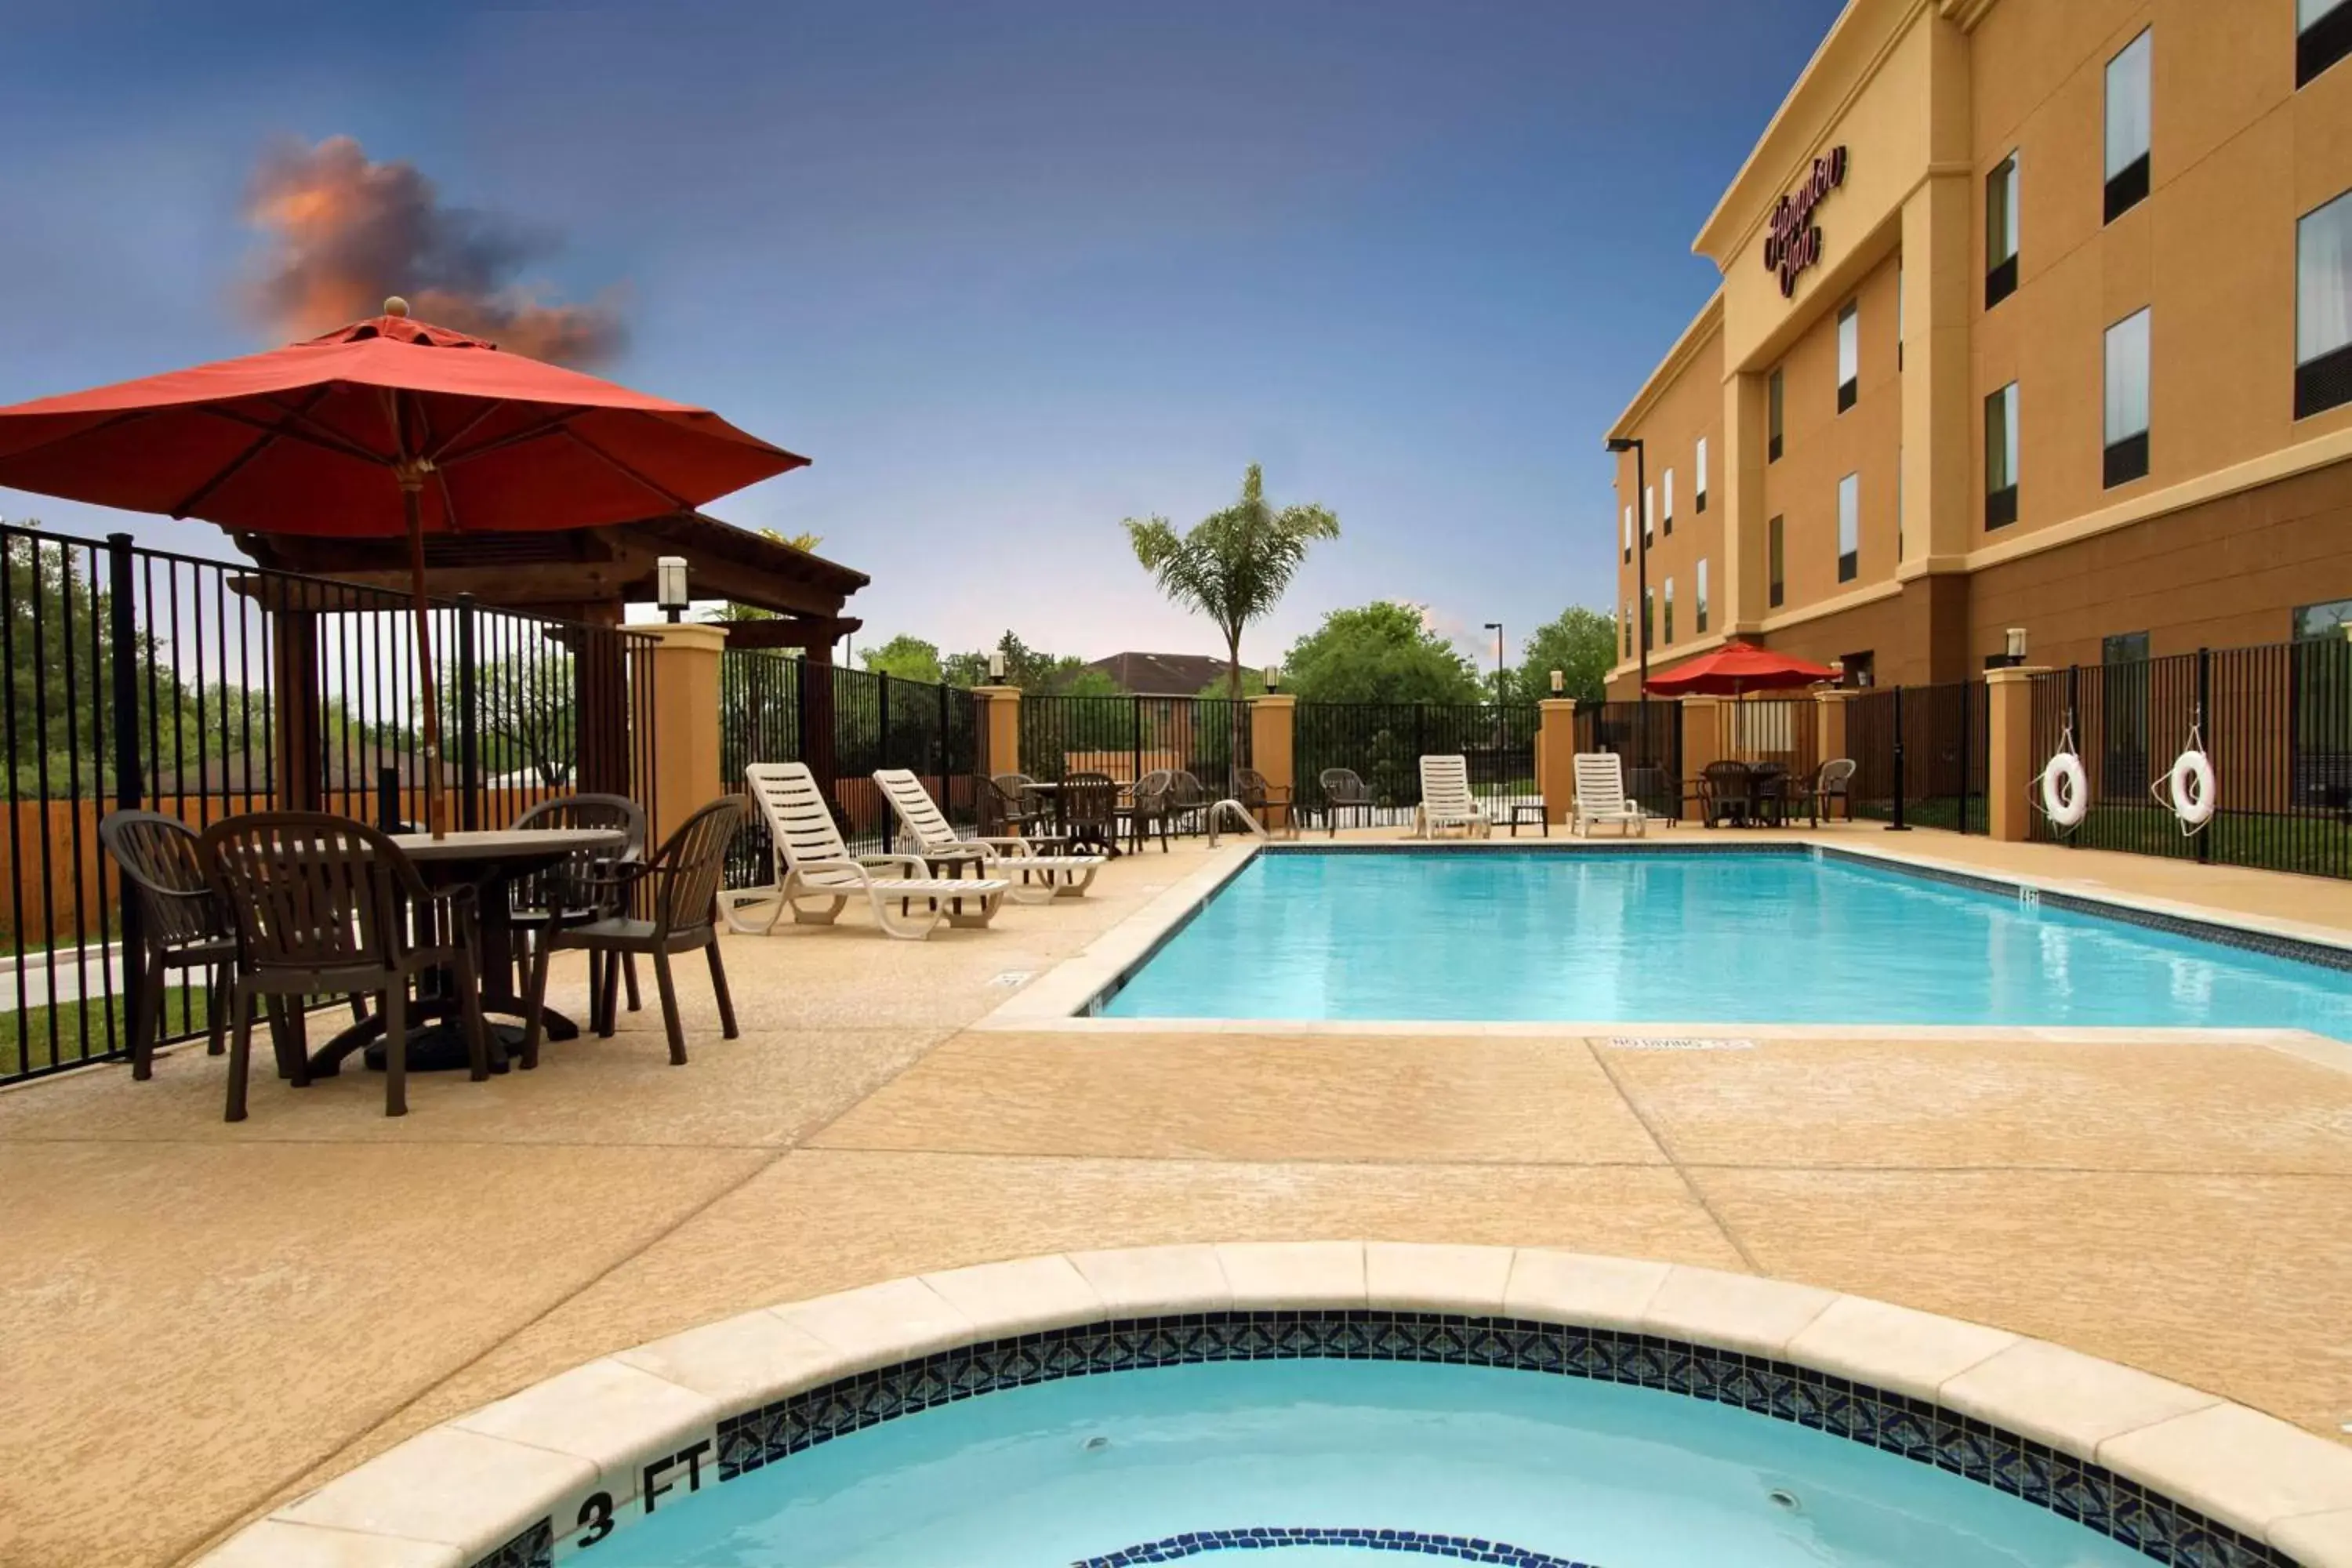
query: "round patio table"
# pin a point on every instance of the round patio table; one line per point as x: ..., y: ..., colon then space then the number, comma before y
x: 488, y: 859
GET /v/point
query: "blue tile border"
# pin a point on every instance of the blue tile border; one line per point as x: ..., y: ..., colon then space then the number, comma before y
x: 2134, y: 1516
x: 1267, y: 1538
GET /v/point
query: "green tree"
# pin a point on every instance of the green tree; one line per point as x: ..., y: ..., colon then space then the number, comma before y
x: 1380, y: 652
x: 904, y: 657
x: 1580, y: 643
x: 1039, y: 673
x: 1233, y: 565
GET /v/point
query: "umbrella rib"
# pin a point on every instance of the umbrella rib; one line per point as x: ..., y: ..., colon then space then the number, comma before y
x: 462, y: 431
x: 259, y: 445
x: 546, y: 426
x: 317, y: 435
x: 679, y: 501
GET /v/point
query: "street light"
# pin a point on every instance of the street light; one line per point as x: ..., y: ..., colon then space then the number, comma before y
x: 1496, y: 627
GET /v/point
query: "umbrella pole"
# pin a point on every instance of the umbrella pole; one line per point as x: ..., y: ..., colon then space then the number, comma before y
x: 437, y: 809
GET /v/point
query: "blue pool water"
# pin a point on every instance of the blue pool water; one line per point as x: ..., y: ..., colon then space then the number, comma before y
x: 1691, y: 937
x: 1578, y: 1472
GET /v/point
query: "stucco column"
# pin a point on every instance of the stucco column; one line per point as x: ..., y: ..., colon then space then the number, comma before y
x: 1829, y: 728
x: 685, y: 701
x: 1702, y: 743
x: 2010, y: 762
x: 1001, y: 727
x: 1556, y: 756
x: 1273, y: 739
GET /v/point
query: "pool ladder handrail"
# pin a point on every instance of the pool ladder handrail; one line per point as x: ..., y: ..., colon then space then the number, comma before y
x: 1248, y: 822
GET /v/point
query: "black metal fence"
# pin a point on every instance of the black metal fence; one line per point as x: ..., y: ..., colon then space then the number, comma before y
x: 1648, y: 736
x: 845, y: 723
x: 1928, y: 747
x: 207, y: 689
x: 2275, y: 719
x: 1383, y: 743
x: 1127, y: 737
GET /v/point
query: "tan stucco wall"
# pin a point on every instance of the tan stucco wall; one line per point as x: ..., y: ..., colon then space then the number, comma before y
x: 1685, y: 409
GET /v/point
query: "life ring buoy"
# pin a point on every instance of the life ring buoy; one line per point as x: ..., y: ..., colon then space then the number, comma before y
x: 2192, y: 787
x: 2066, y: 789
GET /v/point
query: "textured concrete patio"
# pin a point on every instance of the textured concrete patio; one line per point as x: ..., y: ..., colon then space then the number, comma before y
x: 205, y: 1319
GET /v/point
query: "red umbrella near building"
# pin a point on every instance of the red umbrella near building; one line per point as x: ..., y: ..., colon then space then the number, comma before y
x: 1737, y: 669
x: 385, y: 427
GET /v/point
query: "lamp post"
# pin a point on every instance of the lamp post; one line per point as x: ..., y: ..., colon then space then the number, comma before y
x: 1496, y: 627
x: 1623, y: 444
x: 670, y: 586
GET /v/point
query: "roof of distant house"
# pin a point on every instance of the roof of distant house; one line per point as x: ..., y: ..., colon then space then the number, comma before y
x: 1162, y: 674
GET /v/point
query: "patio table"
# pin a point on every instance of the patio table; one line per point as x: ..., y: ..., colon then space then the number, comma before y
x: 488, y: 859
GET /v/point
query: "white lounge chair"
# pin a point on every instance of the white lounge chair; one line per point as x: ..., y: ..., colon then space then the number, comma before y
x: 818, y: 874
x: 1035, y: 878
x: 1447, y: 801
x: 1601, y: 795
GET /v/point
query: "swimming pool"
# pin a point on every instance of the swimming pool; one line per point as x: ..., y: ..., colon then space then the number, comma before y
x: 1691, y: 936
x: 1356, y: 1462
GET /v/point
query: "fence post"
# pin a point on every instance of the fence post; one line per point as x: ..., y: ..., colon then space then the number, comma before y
x: 1273, y: 730
x: 1702, y: 737
x: 2009, y: 756
x: 1134, y: 736
x: 1001, y: 723
x: 1967, y: 725
x: 130, y: 788
x: 1898, y: 825
x: 469, y: 722
x: 2204, y: 715
x: 1556, y: 755
x: 685, y: 657
x: 882, y: 752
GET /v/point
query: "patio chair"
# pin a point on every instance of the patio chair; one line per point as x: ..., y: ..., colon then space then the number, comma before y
x: 1013, y: 806
x: 183, y: 925
x: 1601, y: 795
x: 1090, y: 810
x: 1832, y: 781
x: 1188, y: 801
x: 678, y: 888
x: 1147, y: 809
x: 1264, y: 800
x: 1447, y: 801
x: 1725, y: 793
x: 563, y: 894
x: 1345, y: 793
x: 818, y: 874
x: 327, y: 906
x: 1031, y: 878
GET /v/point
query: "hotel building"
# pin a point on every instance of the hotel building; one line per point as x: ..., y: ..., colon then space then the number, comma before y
x: 2034, y: 313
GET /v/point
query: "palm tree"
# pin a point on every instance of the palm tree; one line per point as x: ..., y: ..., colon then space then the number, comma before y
x: 1233, y: 564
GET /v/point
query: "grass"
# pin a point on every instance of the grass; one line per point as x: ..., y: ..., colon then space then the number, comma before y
x: 2315, y: 845
x: 82, y: 1027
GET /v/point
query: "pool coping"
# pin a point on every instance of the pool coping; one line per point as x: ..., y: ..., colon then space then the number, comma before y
x: 610, y: 1440
x: 1061, y: 999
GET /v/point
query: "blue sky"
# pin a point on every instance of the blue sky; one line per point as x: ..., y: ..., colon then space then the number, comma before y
x: 1008, y: 272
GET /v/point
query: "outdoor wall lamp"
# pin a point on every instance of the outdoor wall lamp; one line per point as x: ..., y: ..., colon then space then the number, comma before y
x: 1273, y: 677
x: 1558, y: 683
x: 996, y: 665
x: 670, y: 586
x: 2016, y: 635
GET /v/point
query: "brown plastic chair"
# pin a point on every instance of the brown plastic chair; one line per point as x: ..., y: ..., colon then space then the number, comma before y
x: 183, y: 925
x: 327, y: 906
x: 566, y: 892
x: 679, y: 886
x: 1012, y: 808
x: 1261, y: 800
x: 1345, y: 793
x: 1089, y: 811
x: 1725, y: 792
x: 1147, y: 809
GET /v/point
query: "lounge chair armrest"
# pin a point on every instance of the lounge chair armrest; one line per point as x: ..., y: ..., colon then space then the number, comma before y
x: 902, y: 865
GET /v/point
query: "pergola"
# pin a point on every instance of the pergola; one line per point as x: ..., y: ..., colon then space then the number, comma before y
x: 586, y: 575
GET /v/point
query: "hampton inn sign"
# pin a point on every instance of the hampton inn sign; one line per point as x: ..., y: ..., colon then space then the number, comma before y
x: 1794, y: 240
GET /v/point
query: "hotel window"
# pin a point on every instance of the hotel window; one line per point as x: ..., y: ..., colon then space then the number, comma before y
x: 2323, y: 309
x: 1670, y: 610
x: 1849, y: 527
x: 1698, y: 604
x: 1649, y: 514
x: 2001, y: 457
x: 1848, y: 355
x: 2000, y: 232
x: 1629, y: 533
x: 1773, y: 400
x: 2128, y: 117
x: 2323, y: 35
x: 1898, y: 503
x: 1648, y: 619
x: 1700, y: 499
x: 2126, y: 414
x: 1668, y: 479
x: 1625, y: 629
x: 1775, y: 584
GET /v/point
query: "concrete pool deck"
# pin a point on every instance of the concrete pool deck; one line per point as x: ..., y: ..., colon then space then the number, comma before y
x: 205, y: 1319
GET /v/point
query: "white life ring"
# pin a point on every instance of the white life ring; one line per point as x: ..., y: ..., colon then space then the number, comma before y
x: 2192, y: 788
x: 2066, y: 789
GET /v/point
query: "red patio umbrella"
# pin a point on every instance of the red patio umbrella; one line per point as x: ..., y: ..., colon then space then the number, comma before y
x: 1737, y: 668
x: 384, y: 428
